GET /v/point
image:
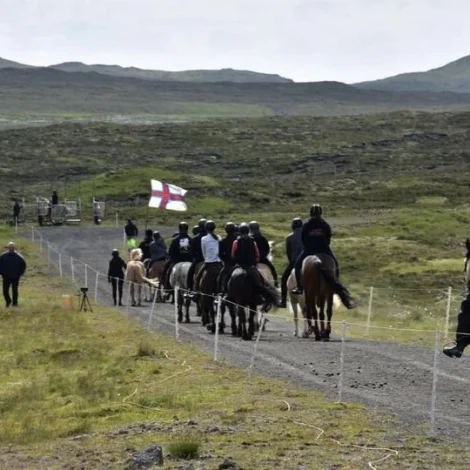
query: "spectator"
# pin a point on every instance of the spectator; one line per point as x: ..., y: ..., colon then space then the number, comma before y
x: 12, y: 267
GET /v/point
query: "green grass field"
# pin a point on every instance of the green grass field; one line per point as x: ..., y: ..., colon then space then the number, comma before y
x: 87, y: 390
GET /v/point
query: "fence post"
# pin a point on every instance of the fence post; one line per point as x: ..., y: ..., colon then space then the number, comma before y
x: 435, y: 374
x: 129, y: 283
x: 177, y: 326
x: 117, y: 220
x: 40, y: 243
x: 48, y: 255
x: 449, y: 300
x: 86, y: 275
x: 71, y: 269
x: 217, y: 321
x: 96, y: 285
x: 155, y: 295
x: 255, y: 349
x: 341, y: 360
x: 369, y: 310
x: 32, y: 234
x: 61, y: 274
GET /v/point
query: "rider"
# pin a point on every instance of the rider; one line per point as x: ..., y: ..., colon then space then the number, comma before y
x: 195, y: 230
x: 225, y: 254
x: 179, y: 252
x: 145, y: 244
x: 158, y: 251
x: 210, y: 245
x: 293, y: 250
x: 316, y: 238
x: 463, y: 330
x: 196, y: 252
x: 264, y: 248
x: 131, y: 230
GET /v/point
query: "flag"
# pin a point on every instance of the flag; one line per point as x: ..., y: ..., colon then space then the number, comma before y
x: 167, y: 196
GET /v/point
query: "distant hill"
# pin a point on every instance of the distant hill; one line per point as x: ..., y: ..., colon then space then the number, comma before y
x: 55, y: 92
x: 207, y: 76
x: 5, y: 63
x: 454, y: 77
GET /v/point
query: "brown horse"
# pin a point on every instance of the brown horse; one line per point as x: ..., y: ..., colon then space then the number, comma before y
x: 208, y: 291
x: 320, y: 284
x: 467, y: 264
x: 155, y: 272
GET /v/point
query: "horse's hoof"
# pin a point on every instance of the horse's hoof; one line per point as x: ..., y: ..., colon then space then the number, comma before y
x: 317, y: 338
x: 296, y: 334
x: 305, y: 335
x: 187, y: 320
x: 326, y: 339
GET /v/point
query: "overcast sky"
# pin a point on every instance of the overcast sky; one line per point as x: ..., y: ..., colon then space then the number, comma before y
x: 307, y: 40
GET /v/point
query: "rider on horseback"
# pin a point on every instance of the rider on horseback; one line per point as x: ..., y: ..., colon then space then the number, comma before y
x: 316, y: 238
x: 210, y: 245
x: 196, y: 251
x: 145, y: 244
x: 158, y: 251
x: 293, y: 250
x: 225, y: 255
x: 264, y: 248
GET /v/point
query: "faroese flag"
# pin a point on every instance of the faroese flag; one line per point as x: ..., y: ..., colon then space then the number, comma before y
x: 167, y: 196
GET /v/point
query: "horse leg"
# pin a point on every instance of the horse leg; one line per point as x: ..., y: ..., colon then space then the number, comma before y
x: 295, y: 311
x: 321, y: 307
x: 307, y: 323
x: 329, y: 313
x: 314, y: 312
x: 241, y: 322
x: 187, y: 303
x: 251, y: 321
x: 222, y: 315
x: 233, y: 316
x: 180, y: 301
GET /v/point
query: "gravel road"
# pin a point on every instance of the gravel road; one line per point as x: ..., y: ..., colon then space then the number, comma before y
x: 386, y: 376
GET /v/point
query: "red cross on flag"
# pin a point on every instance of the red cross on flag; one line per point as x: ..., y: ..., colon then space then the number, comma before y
x: 167, y: 196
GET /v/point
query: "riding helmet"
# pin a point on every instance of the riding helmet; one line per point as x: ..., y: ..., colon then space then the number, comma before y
x: 156, y: 234
x: 244, y: 229
x: 148, y: 233
x: 202, y: 224
x: 115, y: 252
x: 183, y: 227
x: 230, y: 227
x: 316, y: 210
x: 296, y: 223
x: 254, y: 225
x: 210, y: 225
x: 196, y: 230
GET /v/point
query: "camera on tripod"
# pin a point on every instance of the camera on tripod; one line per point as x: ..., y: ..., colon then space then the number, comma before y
x: 84, y: 289
x: 85, y: 301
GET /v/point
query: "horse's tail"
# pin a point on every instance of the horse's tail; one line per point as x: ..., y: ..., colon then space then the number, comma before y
x: 338, y: 288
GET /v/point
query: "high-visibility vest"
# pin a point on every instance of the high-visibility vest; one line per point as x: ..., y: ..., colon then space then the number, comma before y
x: 131, y: 244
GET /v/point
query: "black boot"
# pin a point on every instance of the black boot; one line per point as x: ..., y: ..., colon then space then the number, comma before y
x: 454, y: 351
x: 297, y: 290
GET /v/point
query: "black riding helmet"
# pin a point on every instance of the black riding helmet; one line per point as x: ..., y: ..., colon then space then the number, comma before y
x: 253, y: 225
x: 244, y: 229
x: 115, y: 253
x: 316, y: 210
x: 156, y: 235
x: 183, y: 227
x: 230, y: 227
x: 196, y: 230
x: 148, y: 233
x: 202, y: 224
x: 210, y: 225
x: 297, y: 223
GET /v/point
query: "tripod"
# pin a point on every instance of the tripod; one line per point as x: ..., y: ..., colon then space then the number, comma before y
x: 85, y: 302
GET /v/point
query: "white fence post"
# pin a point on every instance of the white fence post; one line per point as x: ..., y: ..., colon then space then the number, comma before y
x: 341, y: 360
x: 32, y: 234
x: 48, y: 255
x: 86, y: 275
x: 217, y: 321
x: 255, y: 349
x: 449, y: 300
x: 40, y: 243
x: 96, y: 285
x: 369, y: 310
x: 72, y: 269
x: 155, y: 295
x: 435, y: 374
x: 117, y: 220
x: 61, y: 273
x: 177, y: 326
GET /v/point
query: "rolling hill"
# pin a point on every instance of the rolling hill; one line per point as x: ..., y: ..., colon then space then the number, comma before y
x: 453, y: 77
x: 5, y: 63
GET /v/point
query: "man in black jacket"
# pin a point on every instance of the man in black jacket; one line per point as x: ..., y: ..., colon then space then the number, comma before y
x: 196, y: 252
x: 463, y: 330
x: 316, y: 238
x: 293, y: 250
x: 264, y: 248
x: 131, y: 230
x: 12, y: 267
x: 116, y: 270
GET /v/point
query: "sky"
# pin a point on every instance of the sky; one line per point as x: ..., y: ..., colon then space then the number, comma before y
x: 306, y: 40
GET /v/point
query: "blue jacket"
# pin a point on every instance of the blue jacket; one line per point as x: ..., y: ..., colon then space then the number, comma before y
x: 294, y: 245
x: 158, y: 250
x: 12, y: 265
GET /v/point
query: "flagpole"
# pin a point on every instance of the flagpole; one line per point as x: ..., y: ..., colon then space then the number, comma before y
x: 147, y: 218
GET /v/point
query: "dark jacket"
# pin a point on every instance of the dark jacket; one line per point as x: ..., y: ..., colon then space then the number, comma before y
x: 16, y: 209
x: 316, y: 237
x: 131, y: 230
x: 245, y: 252
x: 55, y: 200
x: 294, y: 244
x: 12, y: 265
x: 263, y: 246
x: 225, y: 249
x: 180, y: 249
x: 158, y: 250
x: 196, y: 248
x: 117, y: 266
x: 145, y: 247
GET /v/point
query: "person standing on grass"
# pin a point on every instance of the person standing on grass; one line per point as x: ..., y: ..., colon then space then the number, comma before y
x: 117, y: 266
x: 12, y: 267
x: 16, y: 212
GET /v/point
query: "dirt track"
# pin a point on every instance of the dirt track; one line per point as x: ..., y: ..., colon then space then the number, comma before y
x: 391, y: 377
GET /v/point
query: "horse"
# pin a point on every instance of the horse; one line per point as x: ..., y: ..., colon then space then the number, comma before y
x: 155, y: 273
x: 467, y: 264
x: 320, y: 286
x: 208, y: 290
x: 179, y: 278
x: 242, y: 293
x: 135, y: 274
x: 296, y: 301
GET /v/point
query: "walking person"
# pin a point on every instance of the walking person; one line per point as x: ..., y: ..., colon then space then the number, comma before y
x: 116, y: 270
x: 12, y: 267
x: 16, y: 212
